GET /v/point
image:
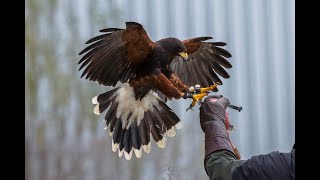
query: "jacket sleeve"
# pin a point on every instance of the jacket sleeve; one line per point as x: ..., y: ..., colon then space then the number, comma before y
x: 221, y: 164
x: 275, y: 165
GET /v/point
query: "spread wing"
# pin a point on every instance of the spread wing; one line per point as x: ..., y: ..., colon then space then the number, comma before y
x: 115, y: 55
x: 206, y: 60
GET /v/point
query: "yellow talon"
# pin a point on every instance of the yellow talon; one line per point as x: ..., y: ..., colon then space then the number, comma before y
x: 196, y: 98
x: 202, y: 90
x: 191, y: 105
x: 202, y: 93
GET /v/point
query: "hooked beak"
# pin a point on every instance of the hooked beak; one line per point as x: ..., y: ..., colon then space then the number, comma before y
x: 184, y: 55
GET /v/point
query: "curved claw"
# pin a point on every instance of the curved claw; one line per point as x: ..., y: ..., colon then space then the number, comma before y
x: 197, y: 93
x: 190, y: 108
x: 196, y: 98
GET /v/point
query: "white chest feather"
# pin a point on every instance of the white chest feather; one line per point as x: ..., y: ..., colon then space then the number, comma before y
x: 129, y: 105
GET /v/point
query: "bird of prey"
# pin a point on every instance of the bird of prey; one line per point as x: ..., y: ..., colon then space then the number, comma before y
x: 144, y: 75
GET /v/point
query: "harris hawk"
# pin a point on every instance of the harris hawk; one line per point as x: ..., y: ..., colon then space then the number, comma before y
x: 144, y: 75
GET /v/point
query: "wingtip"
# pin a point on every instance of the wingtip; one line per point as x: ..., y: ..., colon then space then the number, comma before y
x: 132, y: 24
x: 110, y: 30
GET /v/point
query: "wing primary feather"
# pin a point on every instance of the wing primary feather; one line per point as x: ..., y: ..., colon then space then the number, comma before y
x: 133, y: 24
x: 199, y: 74
x: 130, y: 46
x: 202, y: 38
x: 222, y: 52
x: 96, y: 67
x: 105, y: 66
x: 86, y: 56
x: 84, y: 63
x: 91, y: 46
x: 198, y: 68
x: 190, y: 69
x: 97, y: 38
x: 218, y: 43
x: 111, y: 68
x: 99, y: 59
x: 215, y: 76
x: 222, y: 61
x: 220, y: 70
x: 102, y: 67
x: 110, y: 29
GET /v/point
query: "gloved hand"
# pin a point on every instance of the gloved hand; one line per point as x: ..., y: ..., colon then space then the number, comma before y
x: 213, y: 108
x: 213, y: 118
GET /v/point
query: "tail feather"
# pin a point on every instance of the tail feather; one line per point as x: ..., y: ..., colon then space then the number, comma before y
x: 159, y: 121
x: 127, y: 142
x: 111, y: 114
x: 144, y: 132
x: 117, y: 133
x: 135, y: 140
x: 132, y: 122
x: 104, y: 100
x: 169, y: 116
x: 168, y: 127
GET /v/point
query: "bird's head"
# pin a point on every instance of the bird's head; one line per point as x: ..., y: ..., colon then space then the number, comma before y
x: 175, y: 47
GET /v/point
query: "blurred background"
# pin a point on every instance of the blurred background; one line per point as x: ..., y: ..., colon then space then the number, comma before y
x: 65, y: 140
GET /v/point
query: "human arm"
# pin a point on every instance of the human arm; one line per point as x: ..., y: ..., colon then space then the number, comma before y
x: 220, y: 157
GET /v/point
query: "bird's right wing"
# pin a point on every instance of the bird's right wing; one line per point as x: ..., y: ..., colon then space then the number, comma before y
x: 206, y: 60
x: 114, y: 56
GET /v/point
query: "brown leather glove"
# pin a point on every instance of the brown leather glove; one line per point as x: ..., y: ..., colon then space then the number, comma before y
x: 213, y: 124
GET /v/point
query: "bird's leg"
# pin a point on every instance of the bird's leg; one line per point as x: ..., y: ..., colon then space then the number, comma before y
x: 198, y: 97
x: 178, y: 83
x: 198, y: 94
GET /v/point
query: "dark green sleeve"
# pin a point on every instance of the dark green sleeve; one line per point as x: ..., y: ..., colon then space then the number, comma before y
x: 219, y: 165
x: 223, y: 165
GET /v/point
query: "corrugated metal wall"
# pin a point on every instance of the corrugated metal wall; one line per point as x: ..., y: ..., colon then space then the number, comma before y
x: 260, y: 36
x: 61, y: 141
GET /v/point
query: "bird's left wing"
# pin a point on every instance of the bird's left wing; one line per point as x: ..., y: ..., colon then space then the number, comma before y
x: 206, y: 60
x: 114, y: 56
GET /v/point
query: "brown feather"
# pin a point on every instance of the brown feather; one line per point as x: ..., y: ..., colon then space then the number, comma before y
x: 194, y: 43
x: 113, y: 57
x: 205, y: 61
x: 97, y: 38
x: 110, y: 30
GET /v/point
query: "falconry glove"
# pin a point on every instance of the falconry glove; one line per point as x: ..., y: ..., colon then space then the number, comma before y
x: 213, y: 119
